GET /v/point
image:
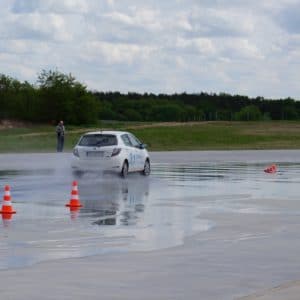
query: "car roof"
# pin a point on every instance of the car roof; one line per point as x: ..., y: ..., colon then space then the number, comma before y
x: 112, y: 132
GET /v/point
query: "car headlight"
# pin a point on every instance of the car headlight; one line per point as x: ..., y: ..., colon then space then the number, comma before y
x: 76, y: 152
x: 116, y: 151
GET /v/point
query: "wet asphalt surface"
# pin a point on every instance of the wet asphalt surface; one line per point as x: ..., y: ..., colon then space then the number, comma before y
x: 138, y: 213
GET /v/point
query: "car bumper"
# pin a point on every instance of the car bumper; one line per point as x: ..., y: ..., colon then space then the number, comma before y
x: 97, y: 165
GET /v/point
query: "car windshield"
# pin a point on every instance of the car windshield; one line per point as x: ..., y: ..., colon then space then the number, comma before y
x: 98, y: 140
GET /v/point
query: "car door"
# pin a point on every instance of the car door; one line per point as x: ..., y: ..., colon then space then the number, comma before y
x: 130, y: 151
x: 139, y: 152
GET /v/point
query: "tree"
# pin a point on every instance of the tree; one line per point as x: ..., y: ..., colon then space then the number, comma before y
x: 64, y: 98
x: 132, y: 115
x: 18, y: 100
x: 249, y: 113
x: 8, y: 88
x: 167, y: 112
x: 289, y: 112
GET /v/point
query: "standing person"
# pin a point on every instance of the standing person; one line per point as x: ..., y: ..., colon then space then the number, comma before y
x: 60, y: 132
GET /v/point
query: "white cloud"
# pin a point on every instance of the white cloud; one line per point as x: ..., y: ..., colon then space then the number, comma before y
x: 156, y: 46
x: 197, y: 45
x: 142, y: 17
x: 114, y: 53
x: 51, y: 6
x: 241, y: 49
x: 120, y: 17
x: 183, y: 23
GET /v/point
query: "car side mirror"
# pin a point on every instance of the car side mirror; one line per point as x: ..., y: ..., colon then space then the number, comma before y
x: 143, y: 146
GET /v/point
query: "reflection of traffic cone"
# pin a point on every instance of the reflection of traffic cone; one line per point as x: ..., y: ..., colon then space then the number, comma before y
x: 6, y: 219
x: 6, y: 205
x: 74, y: 212
x: 271, y: 169
x: 74, y: 202
x: 274, y: 168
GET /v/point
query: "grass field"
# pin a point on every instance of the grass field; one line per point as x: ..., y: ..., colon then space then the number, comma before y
x: 165, y: 136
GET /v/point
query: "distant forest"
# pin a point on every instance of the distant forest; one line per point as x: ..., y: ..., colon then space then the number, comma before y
x: 58, y: 96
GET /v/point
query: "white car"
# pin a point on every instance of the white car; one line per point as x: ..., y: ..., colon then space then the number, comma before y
x: 117, y: 151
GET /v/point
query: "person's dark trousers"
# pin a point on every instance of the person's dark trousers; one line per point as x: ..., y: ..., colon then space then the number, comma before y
x: 60, y: 143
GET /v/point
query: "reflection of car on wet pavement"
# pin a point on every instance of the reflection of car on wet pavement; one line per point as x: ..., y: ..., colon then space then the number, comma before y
x: 117, y: 151
x: 113, y: 201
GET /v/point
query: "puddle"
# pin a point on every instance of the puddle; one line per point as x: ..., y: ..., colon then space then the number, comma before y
x: 136, y: 214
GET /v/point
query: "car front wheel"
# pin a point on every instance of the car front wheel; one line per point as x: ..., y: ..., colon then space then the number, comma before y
x: 124, y: 171
x: 147, y: 168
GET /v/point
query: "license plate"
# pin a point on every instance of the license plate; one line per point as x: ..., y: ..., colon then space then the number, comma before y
x: 95, y: 154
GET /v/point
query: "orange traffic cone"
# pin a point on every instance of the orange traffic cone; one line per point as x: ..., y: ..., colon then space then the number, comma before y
x: 74, y: 202
x: 6, y: 205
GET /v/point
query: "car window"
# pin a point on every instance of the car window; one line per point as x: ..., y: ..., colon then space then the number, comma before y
x: 126, y: 140
x: 98, y: 140
x: 134, y: 141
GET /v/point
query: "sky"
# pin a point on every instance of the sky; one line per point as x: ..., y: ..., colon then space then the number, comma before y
x: 160, y: 46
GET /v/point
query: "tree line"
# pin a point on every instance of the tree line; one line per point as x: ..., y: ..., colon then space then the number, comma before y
x: 194, y: 107
x: 57, y: 96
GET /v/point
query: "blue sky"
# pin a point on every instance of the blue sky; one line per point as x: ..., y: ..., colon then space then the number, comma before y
x: 239, y: 47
